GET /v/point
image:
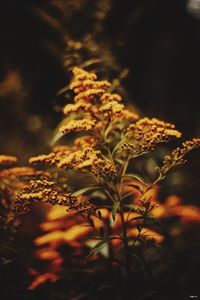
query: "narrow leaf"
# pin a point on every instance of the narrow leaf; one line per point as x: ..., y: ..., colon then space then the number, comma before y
x: 85, y: 190
x: 114, y: 209
x: 135, y: 176
x: 97, y: 248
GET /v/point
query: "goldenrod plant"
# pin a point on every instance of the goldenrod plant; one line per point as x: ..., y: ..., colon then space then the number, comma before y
x: 11, y: 183
x: 108, y: 137
x: 13, y: 179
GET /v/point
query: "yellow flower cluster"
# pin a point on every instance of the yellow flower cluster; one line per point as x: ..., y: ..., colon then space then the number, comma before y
x: 94, y: 104
x: 81, y: 204
x: 86, y: 159
x: 146, y: 133
x: 126, y: 115
x: 108, y: 97
x: 85, y: 141
x: 75, y: 160
x: 47, y: 191
x: 86, y: 86
x: 80, y: 106
x: 115, y: 136
x: 12, y: 182
x: 44, y: 191
x: 52, y: 158
x: 177, y: 156
x: 78, y: 125
x: 112, y: 107
x: 7, y: 160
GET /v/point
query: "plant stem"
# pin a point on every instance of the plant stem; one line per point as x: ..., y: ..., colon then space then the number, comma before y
x: 125, y: 240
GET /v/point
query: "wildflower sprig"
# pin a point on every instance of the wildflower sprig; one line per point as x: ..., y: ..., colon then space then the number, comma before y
x: 177, y: 157
x: 107, y: 138
x: 13, y: 180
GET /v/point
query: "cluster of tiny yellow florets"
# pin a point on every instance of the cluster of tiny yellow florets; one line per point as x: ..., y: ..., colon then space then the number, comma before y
x: 44, y: 191
x: 54, y: 157
x: 80, y: 204
x: 86, y: 159
x: 12, y: 182
x: 78, y: 125
x: 86, y: 86
x: 114, y: 136
x: 146, y: 133
x: 94, y: 105
x: 47, y: 191
x: 177, y: 156
x: 85, y: 141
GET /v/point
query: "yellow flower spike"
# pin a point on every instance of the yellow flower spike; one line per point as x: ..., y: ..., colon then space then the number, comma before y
x: 88, y: 95
x: 126, y: 115
x: 78, y: 125
x: 44, y: 191
x: 79, y: 86
x: 81, y: 74
x: 85, y: 141
x: 112, y: 107
x: 72, y: 108
x: 108, y: 97
x: 49, y: 158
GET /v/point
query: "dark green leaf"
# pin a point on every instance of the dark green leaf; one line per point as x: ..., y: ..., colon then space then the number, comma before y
x: 85, y: 190
x: 135, y: 176
x: 97, y: 248
x: 114, y: 209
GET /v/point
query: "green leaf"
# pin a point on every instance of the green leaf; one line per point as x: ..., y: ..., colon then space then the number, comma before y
x: 85, y: 190
x: 127, y: 195
x: 135, y: 176
x: 97, y: 248
x: 118, y: 160
x: 63, y: 90
x: 114, y: 209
